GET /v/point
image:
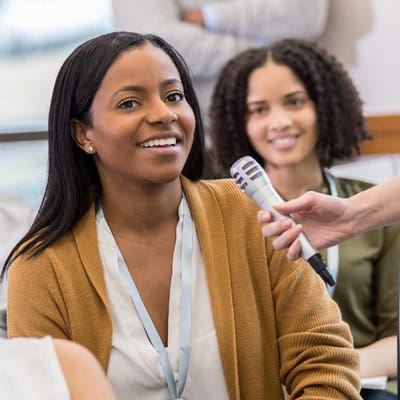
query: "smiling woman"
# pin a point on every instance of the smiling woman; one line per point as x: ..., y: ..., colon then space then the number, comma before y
x: 179, y: 298
x: 143, y: 104
x: 293, y: 107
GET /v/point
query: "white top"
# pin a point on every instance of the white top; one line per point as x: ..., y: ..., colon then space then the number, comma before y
x: 134, y: 370
x: 14, y: 222
x: 29, y: 370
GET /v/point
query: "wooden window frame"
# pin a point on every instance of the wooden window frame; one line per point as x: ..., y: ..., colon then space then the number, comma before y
x: 385, y: 130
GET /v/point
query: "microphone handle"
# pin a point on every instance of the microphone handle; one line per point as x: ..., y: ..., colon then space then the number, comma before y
x: 266, y: 197
x: 307, y: 250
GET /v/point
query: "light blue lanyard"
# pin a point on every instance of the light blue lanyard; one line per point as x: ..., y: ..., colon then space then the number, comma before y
x: 333, y: 252
x: 185, y: 330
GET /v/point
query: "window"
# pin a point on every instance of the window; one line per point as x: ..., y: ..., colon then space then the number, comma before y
x: 36, y: 36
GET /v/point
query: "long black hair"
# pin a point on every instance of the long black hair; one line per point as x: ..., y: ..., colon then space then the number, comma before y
x: 341, y: 124
x: 73, y: 181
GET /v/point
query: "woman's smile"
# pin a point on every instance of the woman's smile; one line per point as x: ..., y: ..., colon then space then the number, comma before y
x: 159, y: 143
x: 284, y: 142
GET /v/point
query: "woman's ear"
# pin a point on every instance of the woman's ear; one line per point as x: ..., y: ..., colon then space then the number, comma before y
x: 79, y: 134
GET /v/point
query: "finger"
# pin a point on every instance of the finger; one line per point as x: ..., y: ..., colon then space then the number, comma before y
x: 276, y: 228
x: 264, y: 216
x: 286, y: 239
x: 301, y: 203
x: 294, y: 250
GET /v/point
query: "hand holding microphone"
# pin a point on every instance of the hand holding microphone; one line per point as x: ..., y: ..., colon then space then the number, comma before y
x: 253, y: 180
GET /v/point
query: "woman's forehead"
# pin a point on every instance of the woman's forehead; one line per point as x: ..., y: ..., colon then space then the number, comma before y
x: 146, y: 57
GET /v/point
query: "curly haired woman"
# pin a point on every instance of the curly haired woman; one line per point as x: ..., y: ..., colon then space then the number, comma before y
x: 293, y: 108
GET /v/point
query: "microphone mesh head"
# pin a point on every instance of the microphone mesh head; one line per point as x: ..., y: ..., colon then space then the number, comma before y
x: 244, y: 170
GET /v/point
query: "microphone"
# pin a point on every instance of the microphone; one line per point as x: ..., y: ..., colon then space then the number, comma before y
x: 253, y: 180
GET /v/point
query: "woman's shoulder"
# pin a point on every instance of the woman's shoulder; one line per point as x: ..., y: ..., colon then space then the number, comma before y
x: 63, y: 250
x: 219, y: 187
x: 347, y: 187
x: 219, y: 198
x: 224, y: 191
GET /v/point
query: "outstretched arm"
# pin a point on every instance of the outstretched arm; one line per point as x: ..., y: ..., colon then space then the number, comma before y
x: 327, y: 220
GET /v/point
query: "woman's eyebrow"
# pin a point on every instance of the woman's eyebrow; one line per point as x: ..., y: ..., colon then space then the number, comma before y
x: 295, y: 93
x: 130, y: 88
x: 141, y: 89
x: 172, y: 81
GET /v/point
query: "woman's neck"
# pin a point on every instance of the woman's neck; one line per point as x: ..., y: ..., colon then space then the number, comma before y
x: 293, y: 181
x: 134, y: 211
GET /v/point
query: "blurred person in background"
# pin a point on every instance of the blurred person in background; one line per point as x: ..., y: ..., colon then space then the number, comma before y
x: 293, y: 108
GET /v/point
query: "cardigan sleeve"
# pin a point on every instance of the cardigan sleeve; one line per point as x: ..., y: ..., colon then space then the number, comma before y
x: 35, y: 302
x: 274, y: 315
x: 317, y: 355
x: 61, y: 292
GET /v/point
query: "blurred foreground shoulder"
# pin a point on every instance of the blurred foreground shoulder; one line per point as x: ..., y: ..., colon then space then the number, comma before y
x: 84, y: 376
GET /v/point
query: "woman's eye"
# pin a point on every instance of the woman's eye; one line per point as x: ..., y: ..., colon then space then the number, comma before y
x: 175, y: 97
x: 296, y: 102
x: 256, y: 110
x: 128, y: 103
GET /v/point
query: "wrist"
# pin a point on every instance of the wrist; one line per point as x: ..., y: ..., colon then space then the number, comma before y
x: 354, y: 216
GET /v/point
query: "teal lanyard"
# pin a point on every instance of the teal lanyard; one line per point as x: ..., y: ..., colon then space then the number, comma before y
x: 333, y: 252
x: 185, y: 330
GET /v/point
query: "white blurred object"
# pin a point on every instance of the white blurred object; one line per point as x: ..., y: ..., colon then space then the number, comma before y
x: 372, y: 168
x: 374, y: 382
x: 31, y: 24
x: 14, y: 221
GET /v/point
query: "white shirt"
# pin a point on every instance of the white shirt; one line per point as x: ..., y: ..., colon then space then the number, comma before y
x: 14, y: 221
x: 29, y: 370
x: 134, y: 370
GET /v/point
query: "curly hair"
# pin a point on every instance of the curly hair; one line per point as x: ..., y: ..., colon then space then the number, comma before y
x: 341, y: 124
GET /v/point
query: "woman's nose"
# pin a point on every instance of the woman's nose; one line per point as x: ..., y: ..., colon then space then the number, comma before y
x: 160, y: 112
x: 279, y: 120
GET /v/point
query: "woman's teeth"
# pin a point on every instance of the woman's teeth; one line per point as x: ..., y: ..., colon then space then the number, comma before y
x: 159, y: 142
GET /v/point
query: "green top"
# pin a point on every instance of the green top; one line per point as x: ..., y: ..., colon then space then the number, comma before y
x: 366, y: 289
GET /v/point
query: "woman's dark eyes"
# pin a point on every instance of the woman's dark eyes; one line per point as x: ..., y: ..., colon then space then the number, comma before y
x: 175, y: 96
x: 132, y: 103
x: 296, y: 102
x: 257, y: 110
x: 129, y: 103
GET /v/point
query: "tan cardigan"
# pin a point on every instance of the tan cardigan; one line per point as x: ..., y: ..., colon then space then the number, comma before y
x: 275, y: 322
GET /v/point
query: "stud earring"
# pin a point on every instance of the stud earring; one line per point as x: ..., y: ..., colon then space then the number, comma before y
x: 90, y: 149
